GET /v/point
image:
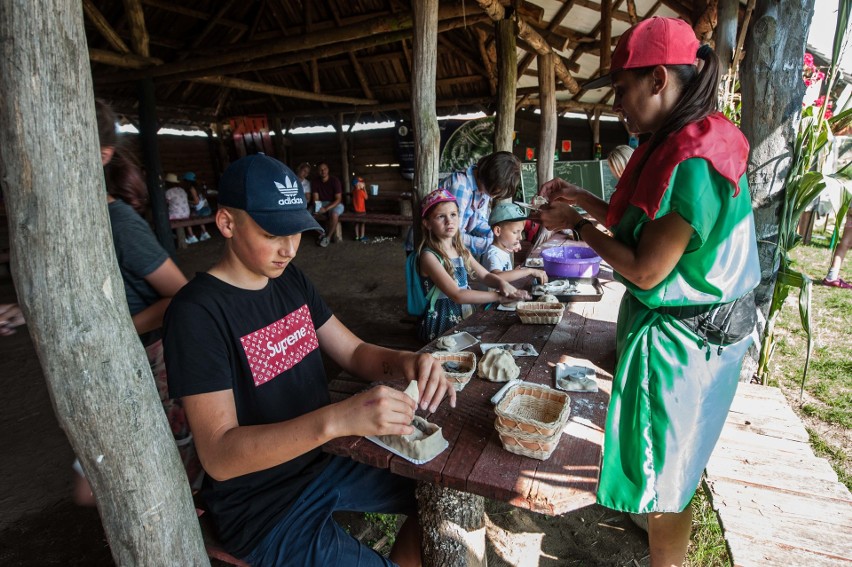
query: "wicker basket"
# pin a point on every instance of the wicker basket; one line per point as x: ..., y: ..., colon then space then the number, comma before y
x: 534, y: 446
x: 467, y: 360
x: 537, y: 312
x: 530, y: 419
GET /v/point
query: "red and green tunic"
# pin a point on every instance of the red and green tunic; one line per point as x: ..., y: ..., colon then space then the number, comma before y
x: 671, y: 390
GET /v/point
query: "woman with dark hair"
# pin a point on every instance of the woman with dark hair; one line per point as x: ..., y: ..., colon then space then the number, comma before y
x: 495, y: 176
x: 683, y: 243
x: 150, y: 277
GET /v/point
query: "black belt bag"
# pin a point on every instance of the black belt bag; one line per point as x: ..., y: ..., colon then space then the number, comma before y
x: 720, y: 324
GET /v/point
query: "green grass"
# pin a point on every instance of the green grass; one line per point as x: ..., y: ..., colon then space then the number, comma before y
x: 828, y: 386
x: 707, y: 546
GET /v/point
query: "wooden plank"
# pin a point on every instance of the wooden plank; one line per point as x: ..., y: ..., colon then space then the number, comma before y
x: 734, y: 497
x: 816, y: 536
x: 750, y: 551
x: 806, y: 478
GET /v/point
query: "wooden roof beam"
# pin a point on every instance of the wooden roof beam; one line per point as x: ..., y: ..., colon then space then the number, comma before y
x: 461, y: 53
x: 554, y: 23
x: 123, y: 60
x: 178, y: 8
x: 138, y: 33
x: 242, y: 84
x: 496, y: 12
x: 103, y: 26
x: 318, y: 39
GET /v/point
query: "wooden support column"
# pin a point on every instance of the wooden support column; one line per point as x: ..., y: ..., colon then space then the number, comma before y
x: 148, y: 127
x: 507, y: 79
x: 606, y: 35
x: 547, y: 134
x: 278, y: 139
x: 726, y: 33
x: 423, y: 108
x: 343, y: 141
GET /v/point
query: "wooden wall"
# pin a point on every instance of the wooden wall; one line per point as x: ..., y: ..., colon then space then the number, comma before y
x: 179, y: 154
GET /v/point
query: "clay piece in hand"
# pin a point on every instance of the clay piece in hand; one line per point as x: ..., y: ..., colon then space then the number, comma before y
x: 421, y: 445
x: 498, y: 365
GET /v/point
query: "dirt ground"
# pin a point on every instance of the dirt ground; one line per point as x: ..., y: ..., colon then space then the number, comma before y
x: 365, y: 286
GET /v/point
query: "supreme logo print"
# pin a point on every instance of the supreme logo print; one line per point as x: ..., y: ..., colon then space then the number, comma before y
x: 280, y: 346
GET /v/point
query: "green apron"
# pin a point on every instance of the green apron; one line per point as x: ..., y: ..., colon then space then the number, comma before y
x: 671, y: 390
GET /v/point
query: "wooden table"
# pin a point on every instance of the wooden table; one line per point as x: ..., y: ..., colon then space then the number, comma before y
x: 475, y: 465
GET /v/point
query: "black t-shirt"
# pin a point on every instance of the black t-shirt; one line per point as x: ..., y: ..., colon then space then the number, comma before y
x: 262, y: 345
x: 139, y: 253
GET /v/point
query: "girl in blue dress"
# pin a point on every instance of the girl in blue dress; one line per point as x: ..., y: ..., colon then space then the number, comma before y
x: 446, y: 264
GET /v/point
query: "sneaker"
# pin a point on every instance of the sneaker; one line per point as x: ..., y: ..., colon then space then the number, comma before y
x: 357, y: 239
x: 191, y: 240
x: 323, y: 241
x: 364, y: 240
x: 837, y: 283
x: 204, y: 236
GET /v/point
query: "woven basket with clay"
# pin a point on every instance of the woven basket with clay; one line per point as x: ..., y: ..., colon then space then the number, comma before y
x: 530, y: 419
x: 465, y: 362
x: 537, y: 312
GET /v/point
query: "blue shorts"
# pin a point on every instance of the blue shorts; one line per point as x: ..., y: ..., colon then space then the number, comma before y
x: 337, y: 210
x: 308, y: 535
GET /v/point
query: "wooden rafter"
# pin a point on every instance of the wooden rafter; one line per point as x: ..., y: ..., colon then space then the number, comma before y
x: 496, y: 12
x: 554, y: 23
x: 631, y: 11
x: 606, y: 34
x: 462, y: 54
x: 122, y: 60
x: 487, y: 58
x: 179, y: 8
x: 138, y: 33
x: 318, y: 39
x: 242, y: 84
x: 103, y: 26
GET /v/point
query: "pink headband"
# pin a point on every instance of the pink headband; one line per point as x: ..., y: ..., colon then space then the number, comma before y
x: 435, y: 197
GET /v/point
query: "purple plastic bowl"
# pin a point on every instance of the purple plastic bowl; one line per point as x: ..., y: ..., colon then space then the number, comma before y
x: 571, y: 262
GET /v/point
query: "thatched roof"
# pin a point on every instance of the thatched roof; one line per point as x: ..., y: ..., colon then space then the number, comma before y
x: 311, y: 61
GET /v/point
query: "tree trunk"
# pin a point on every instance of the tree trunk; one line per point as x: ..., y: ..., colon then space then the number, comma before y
x: 507, y: 78
x: 547, y: 135
x: 453, y: 527
x: 426, y: 134
x: 772, y: 91
x: 72, y: 294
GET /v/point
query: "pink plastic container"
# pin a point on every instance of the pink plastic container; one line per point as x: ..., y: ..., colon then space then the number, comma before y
x: 571, y: 262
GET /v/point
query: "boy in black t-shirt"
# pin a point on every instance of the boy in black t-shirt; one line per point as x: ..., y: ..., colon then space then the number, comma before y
x: 242, y: 351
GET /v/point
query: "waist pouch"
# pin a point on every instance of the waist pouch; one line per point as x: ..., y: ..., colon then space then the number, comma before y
x: 720, y: 324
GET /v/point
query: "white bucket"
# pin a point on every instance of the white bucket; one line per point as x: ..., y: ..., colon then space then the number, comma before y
x: 374, y: 190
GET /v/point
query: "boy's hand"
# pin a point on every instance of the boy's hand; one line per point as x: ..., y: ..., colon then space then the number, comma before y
x: 541, y: 275
x: 431, y: 380
x: 378, y: 411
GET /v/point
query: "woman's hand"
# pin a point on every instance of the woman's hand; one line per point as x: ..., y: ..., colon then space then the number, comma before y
x: 559, y: 215
x: 561, y: 190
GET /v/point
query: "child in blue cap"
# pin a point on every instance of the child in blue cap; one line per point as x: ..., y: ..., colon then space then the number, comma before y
x: 507, y: 223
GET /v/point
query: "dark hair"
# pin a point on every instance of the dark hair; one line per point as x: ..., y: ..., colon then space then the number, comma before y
x: 122, y: 174
x: 698, y: 98
x: 500, y: 174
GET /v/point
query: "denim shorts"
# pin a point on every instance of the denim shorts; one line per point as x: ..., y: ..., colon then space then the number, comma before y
x: 308, y: 535
x: 337, y: 210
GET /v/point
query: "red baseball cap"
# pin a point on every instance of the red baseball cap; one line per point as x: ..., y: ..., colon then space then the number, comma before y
x: 655, y: 41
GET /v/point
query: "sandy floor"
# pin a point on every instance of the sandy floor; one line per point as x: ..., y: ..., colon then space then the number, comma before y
x: 365, y: 286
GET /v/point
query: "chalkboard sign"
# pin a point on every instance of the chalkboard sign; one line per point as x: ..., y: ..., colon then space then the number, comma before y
x: 592, y: 175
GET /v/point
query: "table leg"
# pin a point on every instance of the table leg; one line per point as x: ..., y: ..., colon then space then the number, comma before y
x: 181, y: 237
x: 453, y: 525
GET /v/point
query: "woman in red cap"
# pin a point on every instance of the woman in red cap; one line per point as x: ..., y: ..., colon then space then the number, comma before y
x: 683, y: 244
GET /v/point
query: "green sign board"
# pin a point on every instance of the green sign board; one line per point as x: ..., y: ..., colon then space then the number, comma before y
x: 592, y: 175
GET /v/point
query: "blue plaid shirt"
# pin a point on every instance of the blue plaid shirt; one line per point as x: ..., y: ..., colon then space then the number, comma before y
x: 474, y: 208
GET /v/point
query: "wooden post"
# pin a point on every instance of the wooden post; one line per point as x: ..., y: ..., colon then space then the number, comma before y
x: 423, y: 112
x: 148, y: 127
x: 453, y: 526
x: 343, y: 140
x: 278, y: 140
x: 606, y: 35
x: 507, y: 78
x: 547, y: 134
x: 726, y: 34
x: 72, y: 294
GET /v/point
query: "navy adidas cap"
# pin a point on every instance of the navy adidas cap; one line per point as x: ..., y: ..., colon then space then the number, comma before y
x: 269, y: 192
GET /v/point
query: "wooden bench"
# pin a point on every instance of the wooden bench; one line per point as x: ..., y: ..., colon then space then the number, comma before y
x: 180, y: 224
x: 778, y: 504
